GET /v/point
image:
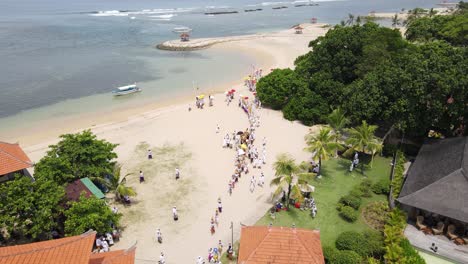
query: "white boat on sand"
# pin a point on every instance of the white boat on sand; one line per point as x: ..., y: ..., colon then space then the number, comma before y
x: 129, y: 89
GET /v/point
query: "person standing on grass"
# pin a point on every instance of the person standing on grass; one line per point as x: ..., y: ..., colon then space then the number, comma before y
x: 142, y: 177
x: 220, y: 205
x: 150, y: 154
x: 177, y: 173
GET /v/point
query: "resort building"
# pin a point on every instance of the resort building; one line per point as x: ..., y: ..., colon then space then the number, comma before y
x: 435, y: 195
x: 13, y: 161
x: 278, y: 245
x: 70, y: 250
x: 74, y: 189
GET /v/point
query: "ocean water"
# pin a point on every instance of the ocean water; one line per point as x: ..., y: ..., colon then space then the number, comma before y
x: 63, y: 57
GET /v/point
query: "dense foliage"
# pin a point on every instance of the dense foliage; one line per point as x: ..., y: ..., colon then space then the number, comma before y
x: 89, y: 213
x: 373, y: 74
x: 397, y: 250
x: 348, y: 213
x: 77, y: 156
x: 334, y: 256
x: 398, y: 177
x: 451, y: 28
x: 30, y: 208
x: 351, y: 200
x: 367, y: 244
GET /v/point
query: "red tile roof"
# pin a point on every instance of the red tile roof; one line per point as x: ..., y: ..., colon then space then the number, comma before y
x: 114, y: 257
x: 279, y: 245
x: 12, y: 158
x: 69, y: 250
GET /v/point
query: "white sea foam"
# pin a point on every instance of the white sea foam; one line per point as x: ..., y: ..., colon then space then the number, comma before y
x: 274, y: 3
x: 109, y: 13
x: 164, y: 12
x: 165, y: 16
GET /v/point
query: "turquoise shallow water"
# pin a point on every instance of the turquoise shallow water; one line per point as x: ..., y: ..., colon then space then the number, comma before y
x: 62, y: 57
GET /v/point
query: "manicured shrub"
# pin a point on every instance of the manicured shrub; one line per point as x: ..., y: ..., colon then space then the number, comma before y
x: 351, y: 200
x: 347, y: 257
x: 410, y: 253
x: 356, y: 192
x: 367, y: 244
x: 381, y: 187
x: 330, y: 254
x: 349, y: 214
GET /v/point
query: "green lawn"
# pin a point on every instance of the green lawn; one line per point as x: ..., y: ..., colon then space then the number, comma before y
x: 335, y: 182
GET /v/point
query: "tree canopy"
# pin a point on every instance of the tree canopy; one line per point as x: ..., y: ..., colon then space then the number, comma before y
x: 30, y: 208
x: 372, y: 73
x: 89, y: 213
x: 77, y: 156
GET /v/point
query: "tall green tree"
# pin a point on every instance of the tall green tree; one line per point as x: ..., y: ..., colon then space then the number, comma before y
x: 322, y: 145
x: 77, y: 156
x: 30, y: 209
x: 89, y: 213
x: 338, y: 121
x: 288, y: 177
x: 362, y: 139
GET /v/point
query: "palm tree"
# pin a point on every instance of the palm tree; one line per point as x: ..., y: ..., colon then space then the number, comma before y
x: 338, y: 121
x: 358, y: 20
x: 395, y: 21
x: 350, y: 20
x: 322, y: 145
x: 375, y: 147
x: 361, y: 138
x: 288, y: 176
x: 118, y: 184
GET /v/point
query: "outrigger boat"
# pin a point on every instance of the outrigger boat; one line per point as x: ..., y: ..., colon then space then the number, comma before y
x: 129, y: 89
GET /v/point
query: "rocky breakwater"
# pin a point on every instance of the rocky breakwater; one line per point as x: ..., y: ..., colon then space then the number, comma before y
x: 202, y: 43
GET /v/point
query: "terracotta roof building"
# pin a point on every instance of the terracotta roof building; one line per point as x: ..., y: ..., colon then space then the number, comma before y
x: 74, y: 189
x: 12, y: 160
x: 279, y: 245
x: 70, y: 250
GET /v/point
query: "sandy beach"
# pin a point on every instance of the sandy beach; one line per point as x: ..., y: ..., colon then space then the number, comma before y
x: 188, y: 140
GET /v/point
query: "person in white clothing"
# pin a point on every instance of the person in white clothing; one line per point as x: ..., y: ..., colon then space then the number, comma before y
x: 174, y: 213
x: 177, y: 173
x: 162, y: 259
x: 105, y: 246
x: 261, y: 181
x: 217, y: 128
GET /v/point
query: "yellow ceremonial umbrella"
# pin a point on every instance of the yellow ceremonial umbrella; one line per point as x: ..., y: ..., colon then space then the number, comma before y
x: 244, y: 147
x: 201, y: 96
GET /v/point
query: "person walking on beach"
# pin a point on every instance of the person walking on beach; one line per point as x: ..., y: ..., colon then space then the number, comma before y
x: 162, y: 259
x: 220, y: 247
x: 159, y: 236
x: 174, y: 213
x: 177, y: 173
x: 261, y: 181
x: 216, y: 218
x: 150, y: 154
x: 212, y: 226
x: 220, y: 205
x: 142, y: 177
x: 252, y: 183
x: 217, y: 128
